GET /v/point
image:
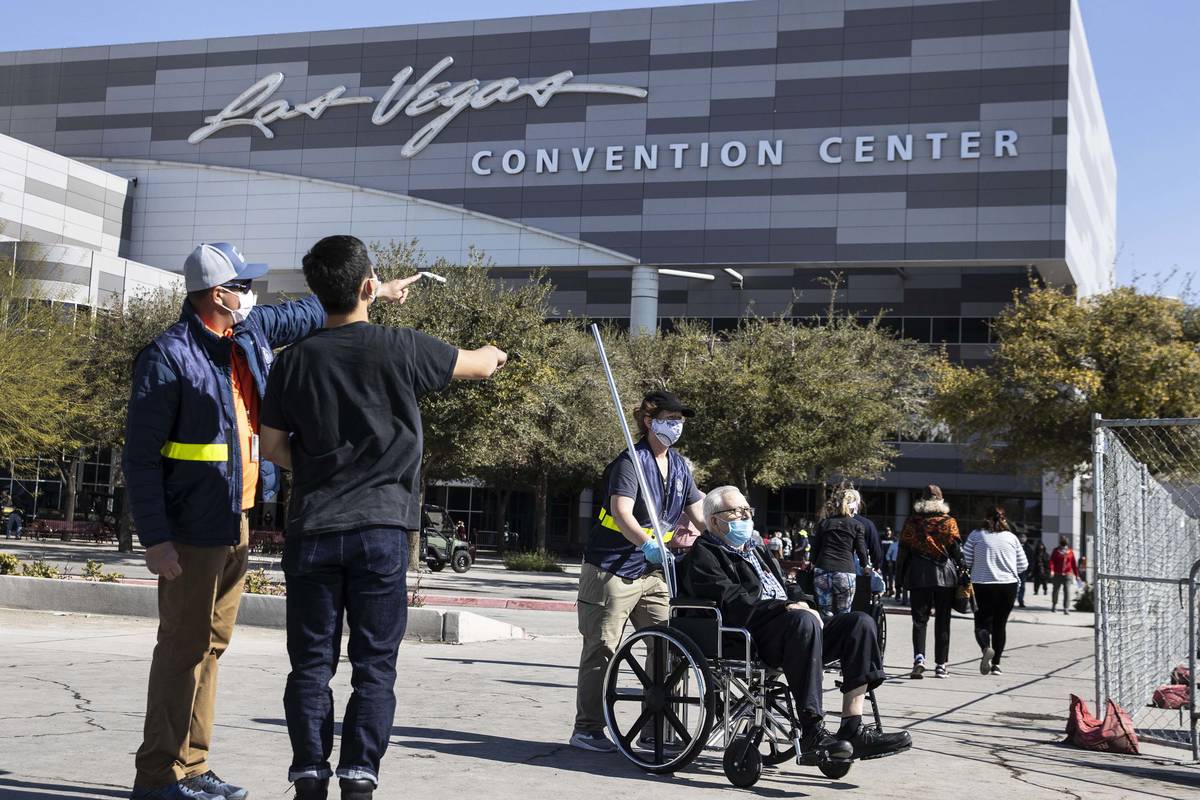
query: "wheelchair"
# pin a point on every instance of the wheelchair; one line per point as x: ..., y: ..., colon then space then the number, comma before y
x: 674, y: 690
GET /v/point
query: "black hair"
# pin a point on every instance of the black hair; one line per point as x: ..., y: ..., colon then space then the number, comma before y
x: 335, y: 268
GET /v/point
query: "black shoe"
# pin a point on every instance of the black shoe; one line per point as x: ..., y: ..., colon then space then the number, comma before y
x: 357, y: 789
x: 870, y: 742
x: 821, y: 745
x: 312, y: 789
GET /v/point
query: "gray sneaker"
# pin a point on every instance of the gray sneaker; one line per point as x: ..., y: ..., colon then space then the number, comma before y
x: 595, y: 741
x: 209, y: 783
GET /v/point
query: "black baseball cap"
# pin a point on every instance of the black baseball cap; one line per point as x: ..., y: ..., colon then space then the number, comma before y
x: 667, y: 401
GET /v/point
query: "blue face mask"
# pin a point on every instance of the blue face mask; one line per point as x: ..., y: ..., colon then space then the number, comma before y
x: 740, y: 531
x: 668, y: 431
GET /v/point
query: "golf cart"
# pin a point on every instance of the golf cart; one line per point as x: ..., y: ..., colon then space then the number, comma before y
x: 440, y: 545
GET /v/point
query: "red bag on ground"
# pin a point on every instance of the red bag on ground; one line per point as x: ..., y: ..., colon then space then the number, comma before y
x: 1115, y: 734
x: 1171, y: 696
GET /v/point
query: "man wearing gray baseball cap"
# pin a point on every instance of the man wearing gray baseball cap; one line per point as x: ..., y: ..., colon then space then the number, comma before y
x: 193, y: 473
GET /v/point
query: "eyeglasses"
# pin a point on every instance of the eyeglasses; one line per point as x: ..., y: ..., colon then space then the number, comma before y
x: 239, y: 286
x: 728, y: 514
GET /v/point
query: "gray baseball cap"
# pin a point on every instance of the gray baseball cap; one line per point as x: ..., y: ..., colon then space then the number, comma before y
x: 213, y: 264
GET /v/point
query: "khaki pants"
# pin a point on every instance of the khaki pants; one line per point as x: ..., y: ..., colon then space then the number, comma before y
x: 196, y: 612
x: 606, y: 601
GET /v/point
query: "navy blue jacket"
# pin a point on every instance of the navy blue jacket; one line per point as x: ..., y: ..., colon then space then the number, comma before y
x: 182, y: 460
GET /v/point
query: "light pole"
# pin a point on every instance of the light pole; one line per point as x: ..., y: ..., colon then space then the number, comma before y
x: 643, y: 300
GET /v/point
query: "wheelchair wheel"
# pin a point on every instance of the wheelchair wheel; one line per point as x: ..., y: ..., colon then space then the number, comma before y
x: 743, y: 762
x: 777, y: 745
x: 659, y: 699
x: 881, y: 628
x: 834, y: 770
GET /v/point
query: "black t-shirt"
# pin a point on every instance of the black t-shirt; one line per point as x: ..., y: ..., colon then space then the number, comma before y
x: 348, y: 396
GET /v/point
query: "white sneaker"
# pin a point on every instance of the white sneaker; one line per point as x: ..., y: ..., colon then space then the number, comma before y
x: 985, y: 661
x: 595, y: 741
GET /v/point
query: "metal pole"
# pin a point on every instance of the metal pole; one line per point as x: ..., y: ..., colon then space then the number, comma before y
x: 1101, y: 649
x: 1192, y: 642
x: 643, y: 484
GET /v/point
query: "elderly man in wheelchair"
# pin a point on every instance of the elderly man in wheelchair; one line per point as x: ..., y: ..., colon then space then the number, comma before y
x: 740, y: 666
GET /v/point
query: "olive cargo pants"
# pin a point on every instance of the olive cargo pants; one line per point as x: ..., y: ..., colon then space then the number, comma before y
x: 605, y: 602
x: 196, y: 613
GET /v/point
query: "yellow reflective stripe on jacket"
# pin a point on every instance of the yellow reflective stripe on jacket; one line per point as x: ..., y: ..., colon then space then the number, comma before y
x: 196, y: 452
x: 608, y: 521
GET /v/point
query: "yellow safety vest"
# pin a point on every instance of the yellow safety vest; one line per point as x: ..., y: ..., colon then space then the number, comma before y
x: 180, y: 451
x: 608, y: 521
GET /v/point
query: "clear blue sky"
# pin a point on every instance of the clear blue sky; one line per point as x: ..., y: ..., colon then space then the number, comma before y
x: 1143, y: 50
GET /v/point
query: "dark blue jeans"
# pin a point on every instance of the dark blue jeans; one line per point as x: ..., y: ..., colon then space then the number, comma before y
x: 363, y: 574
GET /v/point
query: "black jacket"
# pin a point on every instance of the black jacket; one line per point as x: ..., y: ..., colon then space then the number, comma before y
x: 710, y: 572
x: 835, y: 543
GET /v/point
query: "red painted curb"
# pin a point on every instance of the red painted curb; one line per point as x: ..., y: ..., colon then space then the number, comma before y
x: 498, y: 602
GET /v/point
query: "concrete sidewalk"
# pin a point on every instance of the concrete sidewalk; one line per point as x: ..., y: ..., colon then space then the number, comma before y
x: 491, y: 720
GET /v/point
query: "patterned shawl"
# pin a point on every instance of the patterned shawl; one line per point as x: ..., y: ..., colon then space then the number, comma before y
x: 931, y: 536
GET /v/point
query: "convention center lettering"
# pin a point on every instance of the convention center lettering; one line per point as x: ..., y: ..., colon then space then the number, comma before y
x: 255, y: 108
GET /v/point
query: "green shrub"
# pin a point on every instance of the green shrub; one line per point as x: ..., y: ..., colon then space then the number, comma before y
x: 257, y: 582
x: 94, y: 571
x: 9, y: 564
x: 535, y: 561
x: 1085, y: 600
x: 39, y: 569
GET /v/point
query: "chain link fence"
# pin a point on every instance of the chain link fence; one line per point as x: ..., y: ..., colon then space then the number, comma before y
x: 1147, y: 560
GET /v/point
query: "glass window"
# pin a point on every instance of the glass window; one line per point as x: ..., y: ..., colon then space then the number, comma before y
x: 917, y: 328
x: 975, y: 330
x: 945, y: 330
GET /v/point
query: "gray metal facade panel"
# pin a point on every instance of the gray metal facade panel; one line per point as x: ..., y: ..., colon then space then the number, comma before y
x: 715, y: 73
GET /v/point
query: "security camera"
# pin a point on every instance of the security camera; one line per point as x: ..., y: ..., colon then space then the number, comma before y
x: 736, y: 279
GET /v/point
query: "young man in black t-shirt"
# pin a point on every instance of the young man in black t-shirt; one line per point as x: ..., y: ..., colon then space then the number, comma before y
x: 341, y: 413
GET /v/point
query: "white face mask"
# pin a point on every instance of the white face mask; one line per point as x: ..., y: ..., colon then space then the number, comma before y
x: 242, y: 313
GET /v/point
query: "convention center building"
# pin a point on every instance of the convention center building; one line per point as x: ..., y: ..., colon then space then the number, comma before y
x: 936, y: 153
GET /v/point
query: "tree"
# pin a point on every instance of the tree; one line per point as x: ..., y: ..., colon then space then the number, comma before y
x: 37, y: 338
x: 464, y: 425
x: 562, y: 433
x: 102, y: 374
x: 780, y: 402
x: 1059, y: 360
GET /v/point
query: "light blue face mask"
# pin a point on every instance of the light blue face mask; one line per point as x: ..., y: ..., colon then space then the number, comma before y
x: 668, y: 431
x: 740, y: 531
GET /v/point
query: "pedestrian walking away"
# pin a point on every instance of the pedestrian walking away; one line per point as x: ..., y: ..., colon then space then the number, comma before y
x: 997, y: 561
x: 192, y: 470
x: 620, y: 579
x: 1027, y: 548
x: 1039, y: 568
x: 835, y: 543
x: 928, y: 566
x: 891, y: 548
x: 1064, y: 571
x: 341, y: 414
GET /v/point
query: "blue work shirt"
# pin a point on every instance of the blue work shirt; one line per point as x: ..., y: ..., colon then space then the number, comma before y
x: 607, y: 549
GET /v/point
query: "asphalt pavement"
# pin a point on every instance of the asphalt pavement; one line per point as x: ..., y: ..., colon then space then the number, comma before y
x: 492, y: 719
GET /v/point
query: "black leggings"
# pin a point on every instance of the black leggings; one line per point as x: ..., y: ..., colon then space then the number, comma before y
x: 994, y: 602
x: 939, y: 600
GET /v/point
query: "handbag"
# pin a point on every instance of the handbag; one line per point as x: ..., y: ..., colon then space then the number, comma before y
x: 1114, y: 733
x: 964, y: 593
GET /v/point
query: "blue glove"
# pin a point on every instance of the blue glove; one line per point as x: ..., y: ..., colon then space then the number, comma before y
x: 652, y: 552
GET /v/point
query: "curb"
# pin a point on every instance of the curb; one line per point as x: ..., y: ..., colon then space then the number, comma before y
x: 268, y: 611
x: 499, y: 602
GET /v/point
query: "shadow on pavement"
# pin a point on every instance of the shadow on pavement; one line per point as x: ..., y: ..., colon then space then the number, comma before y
x: 561, y: 756
x: 12, y: 789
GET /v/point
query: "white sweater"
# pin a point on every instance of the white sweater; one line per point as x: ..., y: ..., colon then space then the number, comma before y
x: 994, y: 557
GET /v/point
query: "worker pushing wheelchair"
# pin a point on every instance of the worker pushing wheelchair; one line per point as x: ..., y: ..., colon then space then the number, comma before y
x: 725, y: 652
